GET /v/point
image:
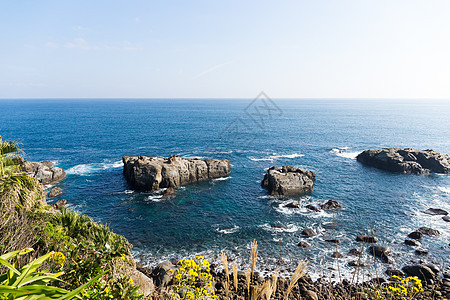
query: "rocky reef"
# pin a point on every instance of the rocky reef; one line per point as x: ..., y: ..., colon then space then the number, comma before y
x: 150, y: 173
x: 43, y: 171
x: 406, y: 160
x: 288, y: 180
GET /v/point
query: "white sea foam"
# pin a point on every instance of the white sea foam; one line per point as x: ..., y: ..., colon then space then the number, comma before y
x: 280, y: 228
x: 444, y: 189
x: 128, y: 191
x: 275, y: 157
x: 155, y: 198
x: 222, y: 178
x: 87, y: 169
x: 233, y: 229
x: 342, y: 152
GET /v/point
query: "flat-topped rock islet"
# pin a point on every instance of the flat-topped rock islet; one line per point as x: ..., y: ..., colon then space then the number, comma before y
x: 288, y: 180
x: 150, y: 173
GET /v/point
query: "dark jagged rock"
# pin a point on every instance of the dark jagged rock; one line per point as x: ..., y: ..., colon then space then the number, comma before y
x: 308, y: 232
x: 366, y: 239
x: 393, y: 271
x: 381, y: 252
x: 423, y: 272
x: 43, y: 171
x: 288, y: 180
x: 407, y: 160
x: 435, y: 212
x: 354, y: 252
x: 163, y: 273
x: 151, y: 173
x: 412, y: 242
x: 312, y: 207
x: 429, y: 231
x: 303, y: 244
x: 416, y: 235
x: 446, y: 218
x: 331, y: 205
x: 421, y: 251
x: 54, y: 192
x: 336, y: 254
x: 169, y: 191
x: 59, y: 204
x: 293, y: 205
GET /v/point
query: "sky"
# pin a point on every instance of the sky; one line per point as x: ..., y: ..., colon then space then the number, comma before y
x: 225, y: 49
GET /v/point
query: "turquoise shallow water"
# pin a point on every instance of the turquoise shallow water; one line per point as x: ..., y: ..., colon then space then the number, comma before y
x: 89, y: 137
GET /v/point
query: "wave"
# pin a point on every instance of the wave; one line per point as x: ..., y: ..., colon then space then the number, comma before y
x: 155, y: 198
x: 342, y: 152
x: 279, y: 228
x: 444, y: 189
x: 222, y: 178
x: 233, y: 229
x: 275, y: 157
x: 87, y: 169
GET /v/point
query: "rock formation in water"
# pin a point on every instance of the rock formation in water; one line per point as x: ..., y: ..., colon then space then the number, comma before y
x: 149, y: 173
x: 407, y: 160
x: 43, y: 171
x: 288, y: 180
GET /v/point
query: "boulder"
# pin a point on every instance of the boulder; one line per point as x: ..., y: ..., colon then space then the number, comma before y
x: 381, y: 252
x: 366, y: 239
x: 331, y: 205
x: 392, y: 271
x: 59, y: 204
x: 308, y: 232
x: 163, y: 273
x: 429, y: 231
x: 336, y: 254
x: 446, y: 218
x: 412, y: 242
x: 406, y: 160
x: 423, y: 272
x: 149, y: 173
x: 146, y: 285
x: 43, y: 171
x: 354, y: 252
x: 435, y: 212
x: 416, y: 235
x: 421, y: 251
x: 288, y: 180
x: 293, y: 205
x: 54, y: 192
x: 303, y: 245
x: 312, y: 207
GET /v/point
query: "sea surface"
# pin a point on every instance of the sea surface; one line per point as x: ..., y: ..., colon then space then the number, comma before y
x: 88, y: 138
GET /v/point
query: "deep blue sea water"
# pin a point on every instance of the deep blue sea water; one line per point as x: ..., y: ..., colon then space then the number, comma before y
x: 88, y: 138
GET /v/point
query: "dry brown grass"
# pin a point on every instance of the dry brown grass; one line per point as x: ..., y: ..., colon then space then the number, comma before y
x: 254, y: 255
x: 235, y: 276
x: 299, y: 273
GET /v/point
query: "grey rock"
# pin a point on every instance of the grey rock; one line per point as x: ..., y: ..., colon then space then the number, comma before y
x: 412, y: 242
x: 392, y: 271
x: 380, y: 251
x: 421, y: 271
x: 149, y: 173
x: 429, y: 231
x: 336, y: 254
x: 54, y: 192
x: 163, y: 273
x: 435, y: 212
x: 446, y: 218
x: 43, y: 171
x: 288, y: 180
x: 406, y: 160
x: 416, y: 235
x: 293, y: 205
x: 366, y: 239
x: 331, y: 205
x: 308, y: 232
x: 146, y: 285
x: 421, y: 251
x: 303, y: 244
x: 354, y: 252
x: 59, y: 204
x: 312, y: 207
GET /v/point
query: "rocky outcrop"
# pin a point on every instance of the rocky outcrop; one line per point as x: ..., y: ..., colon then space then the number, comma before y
x: 331, y: 205
x: 54, y: 192
x: 43, y: 171
x: 288, y: 180
x: 423, y: 272
x: 151, y: 173
x: 407, y: 160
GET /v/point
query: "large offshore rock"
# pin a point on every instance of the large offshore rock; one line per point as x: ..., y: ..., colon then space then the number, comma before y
x: 43, y: 171
x: 150, y: 173
x: 288, y: 180
x: 407, y: 160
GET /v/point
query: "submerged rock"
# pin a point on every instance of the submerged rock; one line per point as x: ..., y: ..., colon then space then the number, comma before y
x: 43, y: 171
x: 303, y: 244
x: 367, y: 239
x: 308, y: 232
x: 416, y: 235
x: 435, y: 212
x: 288, y: 181
x: 407, y: 160
x: 151, y: 173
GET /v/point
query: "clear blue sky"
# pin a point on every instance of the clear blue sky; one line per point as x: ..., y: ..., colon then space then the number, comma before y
x: 295, y: 49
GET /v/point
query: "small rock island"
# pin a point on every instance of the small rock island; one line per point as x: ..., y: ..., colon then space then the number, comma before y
x: 150, y: 173
x: 406, y: 160
x: 44, y: 172
x: 287, y: 181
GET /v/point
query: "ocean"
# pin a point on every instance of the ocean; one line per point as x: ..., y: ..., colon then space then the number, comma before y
x: 88, y: 137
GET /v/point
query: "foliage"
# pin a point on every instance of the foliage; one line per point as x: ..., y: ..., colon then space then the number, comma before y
x: 121, y: 288
x: 29, y: 283
x: 193, y: 280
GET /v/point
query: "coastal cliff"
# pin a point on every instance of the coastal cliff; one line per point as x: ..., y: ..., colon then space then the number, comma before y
x: 151, y: 173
